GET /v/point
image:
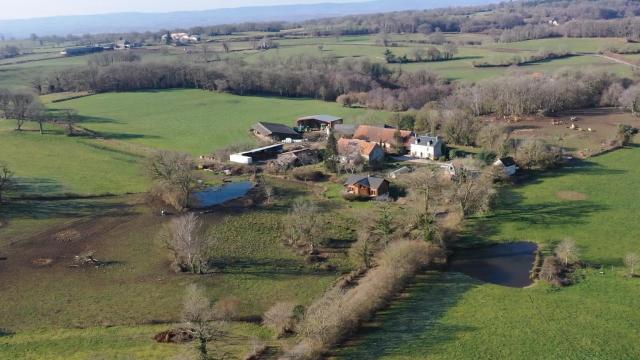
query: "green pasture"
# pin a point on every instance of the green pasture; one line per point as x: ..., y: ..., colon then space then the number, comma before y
x: 449, y: 315
x: 194, y: 121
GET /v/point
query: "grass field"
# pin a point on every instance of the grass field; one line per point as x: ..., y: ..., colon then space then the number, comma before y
x: 18, y: 75
x: 449, y: 315
x: 137, y: 288
x: 194, y: 121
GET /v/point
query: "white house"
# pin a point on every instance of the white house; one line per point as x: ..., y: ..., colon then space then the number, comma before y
x: 427, y: 147
x: 508, y: 164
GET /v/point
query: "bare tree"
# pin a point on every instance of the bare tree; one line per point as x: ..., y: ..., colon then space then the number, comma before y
x: 269, y: 192
x: 568, y: 251
x: 187, y: 243
x: 631, y: 261
x: 303, y: 224
x: 6, y: 179
x: 174, y: 173
x: 474, y: 191
x: 199, y: 315
x: 425, y: 187
x: 493, y: 137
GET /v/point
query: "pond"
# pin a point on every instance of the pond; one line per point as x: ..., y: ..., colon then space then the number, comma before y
x: 217, y: 195
x: 502, y: 264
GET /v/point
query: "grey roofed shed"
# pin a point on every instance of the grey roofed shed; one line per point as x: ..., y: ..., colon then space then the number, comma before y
x: 279, y: 131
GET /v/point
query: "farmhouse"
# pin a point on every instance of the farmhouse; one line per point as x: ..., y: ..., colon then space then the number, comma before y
x: 391, y: 140
x: 369, y: 151
x: 274, y: 132
x: 427, y: 147
x: 507, y: 164
x: 365, y: 185
x: 318, y: 122
x: 255, y: 155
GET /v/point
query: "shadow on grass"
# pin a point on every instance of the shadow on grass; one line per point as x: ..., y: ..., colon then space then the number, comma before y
x: 412, y: 326
x: 261, y: 267
x: 6, y: 332
x: 47, y: 209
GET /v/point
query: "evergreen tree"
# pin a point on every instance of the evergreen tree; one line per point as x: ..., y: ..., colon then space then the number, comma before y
x: 331, y: 153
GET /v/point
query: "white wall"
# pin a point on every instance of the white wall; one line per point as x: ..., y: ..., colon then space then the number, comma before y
x: 240, y: 159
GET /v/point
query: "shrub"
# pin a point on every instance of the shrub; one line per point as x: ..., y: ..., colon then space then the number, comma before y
x: 280, y: 318
x: 339, y: 312
x: 551, y: 270
x: 535, y: 154
x: 307, y: 174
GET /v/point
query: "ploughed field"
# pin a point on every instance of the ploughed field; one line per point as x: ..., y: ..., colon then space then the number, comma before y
x: 450, y: 315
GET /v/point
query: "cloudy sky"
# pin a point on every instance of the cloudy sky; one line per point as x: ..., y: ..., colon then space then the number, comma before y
x: 22, y: 9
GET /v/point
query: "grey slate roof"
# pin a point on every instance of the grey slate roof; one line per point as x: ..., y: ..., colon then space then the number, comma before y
x: 425, y: 139
x: 507, y: 161
x: 365, y: 180
x: 267, y: 128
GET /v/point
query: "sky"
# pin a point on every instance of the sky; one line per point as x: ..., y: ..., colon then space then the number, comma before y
x: 24, y: 9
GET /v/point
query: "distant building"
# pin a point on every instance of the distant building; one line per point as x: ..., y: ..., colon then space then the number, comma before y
x: 369, y: 151
x: 181, y: 38
x: 81, y: 50
x: 318, y: 122
x: 256, y: 155
x: 507, y: 164
x: 365, y: 185
x: 427, y: 147
x: 123, y: 44
x: 274, y: 132
x: 391, y: 140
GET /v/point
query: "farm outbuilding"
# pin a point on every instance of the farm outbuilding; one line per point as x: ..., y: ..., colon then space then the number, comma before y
x: 318, y: 122
x: 365, y: 185
x: 507, y: 164
x: 274, y: 132
x: 255, y: 155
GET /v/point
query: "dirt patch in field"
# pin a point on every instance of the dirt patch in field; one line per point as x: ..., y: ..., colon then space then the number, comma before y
x: 571, y: 195
x: 40, y: 262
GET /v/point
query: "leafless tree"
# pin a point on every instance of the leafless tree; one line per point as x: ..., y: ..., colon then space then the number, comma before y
x: 187, y: 243
x: 493, y: 137
x: 199, y: 315
x: 631, y: 261
x: 7, y: 181
x: 302, y: 224
x: 280, y: 318
x: 535, y: 154
x: 474, y: 191
x: 174, y: 173
x: 269, y: 192
x: 426, y: 189
x: 568, y: 251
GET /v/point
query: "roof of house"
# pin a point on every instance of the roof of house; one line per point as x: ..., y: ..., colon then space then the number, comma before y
x: 267, y: 128
x: 379, y: 134
x: 344, y: 129
x: 507, y: 161
x: 322, y: 118
x: 371, y: 182
x: 427, y: 139
x: 366, y: 147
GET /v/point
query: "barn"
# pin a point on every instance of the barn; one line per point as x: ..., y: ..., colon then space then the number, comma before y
x: 318, y: 122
